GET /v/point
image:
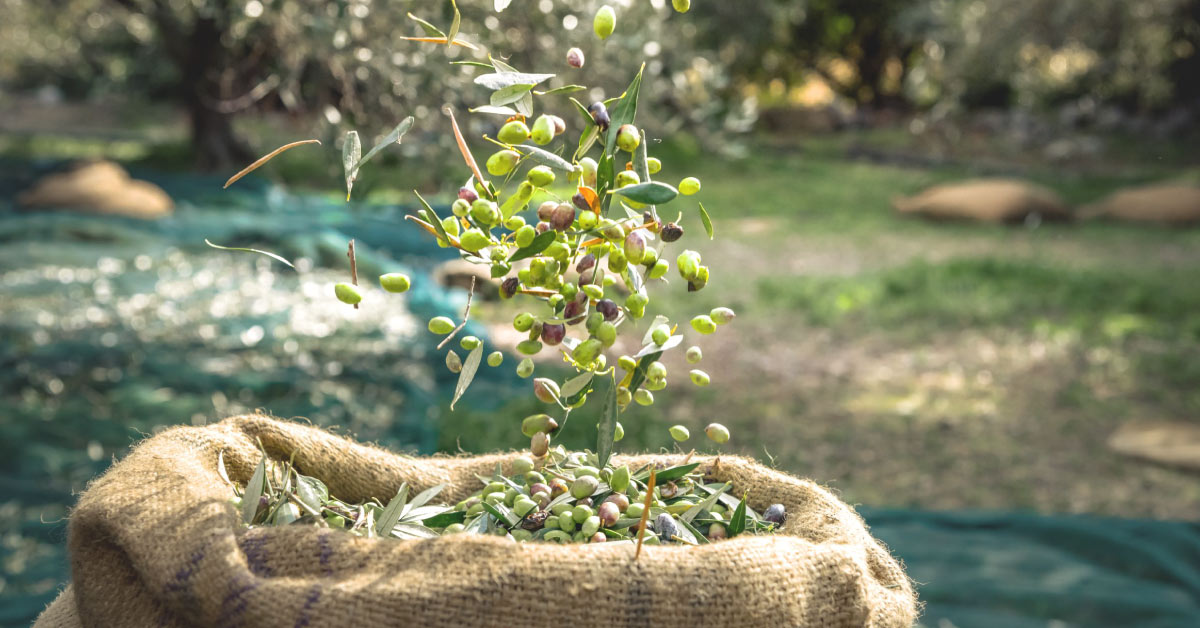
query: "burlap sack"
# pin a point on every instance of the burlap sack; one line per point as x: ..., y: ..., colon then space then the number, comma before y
x: 1165, y: 204
x: 156, y: 541
x: 101, y: 187
x: 985, y: 200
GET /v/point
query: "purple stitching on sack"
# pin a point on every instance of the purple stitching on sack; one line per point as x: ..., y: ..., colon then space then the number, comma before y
x: 313, y: 596
x: 326, y: 553
x: 185, y: 573
x: 235, y: 603
x: 254, y: 547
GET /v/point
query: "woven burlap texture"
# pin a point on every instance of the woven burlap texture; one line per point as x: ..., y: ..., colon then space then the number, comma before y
x: 157, y: 541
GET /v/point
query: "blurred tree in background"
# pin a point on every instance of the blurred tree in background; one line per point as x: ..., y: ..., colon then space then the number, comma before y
x: 343, y: 61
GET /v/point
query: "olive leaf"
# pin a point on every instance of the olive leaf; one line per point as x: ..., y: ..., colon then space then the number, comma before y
x: 503, y: 111
x: 423, y: 497
x: 501, y: 513
x: 707, y: 504
x: 470, y: 366
x: 510, y: 94
x: 444, y: 519
x: 624, y: 112
x: 392, y: 138
x: 430, y: 29
x: 502, y: 67
x: 391, y: 514
x: 607, y: 428
x: 538, y: 245
x: 708, y: 228
x: 455, y: 23
x: 525, y: 105
x: 737, y: 521
x: 639, y: 372
x: 668, y: 475
x: 432, y: 217
x: 311, y: 491
x: 690, y: 533
x: 587, y: 140
x: 351, y: 152
x: 652, y: 348
x: 478, y: 64
x: 510, y: 78
x: 254, y: 491
x: 260, y: 252
x: 565, y: 89
x: 576, y: 384
x: 650, y: 192
x: 546, y: 158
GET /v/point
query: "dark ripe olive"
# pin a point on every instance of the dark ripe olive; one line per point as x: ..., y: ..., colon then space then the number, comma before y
x: 586, y: 263
x: 671, y: 232
x: 562, y: 217
x: 538, y: 487
x: 553, y: 334
x: 581, y: 202
x: 509, y: 287
x: 467, y: 194
x: 573, y: 310
x: 665, y: 526
x: 542, y: 227
x: 775, y: 513
x: 546, y: 210
x: 608, y: 309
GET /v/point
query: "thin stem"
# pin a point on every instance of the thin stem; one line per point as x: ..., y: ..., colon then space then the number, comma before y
x: 645, y: 514
x: 353, y: 266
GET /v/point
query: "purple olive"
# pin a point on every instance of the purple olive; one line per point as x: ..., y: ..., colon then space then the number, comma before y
x: 562, y: 217
x: 608, y: 308
x: 586, y: 263
x: 775, y: 513
x: 467, y: 194
x: 546, y: 210
x: 553, y: 334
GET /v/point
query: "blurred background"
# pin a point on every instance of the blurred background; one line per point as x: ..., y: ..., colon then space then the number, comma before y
x: 1002, y: 373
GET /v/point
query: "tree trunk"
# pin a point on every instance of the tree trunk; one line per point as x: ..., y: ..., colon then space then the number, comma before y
x: 214, y: 142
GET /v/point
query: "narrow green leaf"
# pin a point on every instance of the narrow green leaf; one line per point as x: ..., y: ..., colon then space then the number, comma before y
x: 606, y: 173
x: 576, y: 384
x: 650, y: 193
x: 432, y: 217
x: 583, y: 111
x: 707, y: 504
x: 413, y: 531
x: 391, y: 515
x: 501, y: 513
x: 538, y: 245
x: 510, y: 95
x: 668, y: 475
x: 708, y: 228
x: 351, y: 153
x: 640, y: 161
x: 430, y: 29
x: 503, y: 111
x: 445, y: 519
x: 254, y: 491
x: 500, y: 80
x: 652, y: 348
x: 546, y: 158
x: 502, y: 67
x: 565, y: 89
x: 607, y: 428
x: 311, y: 491
x: 737, y: 522
x: 237, y: 248
x: 470, y: 365
x: 455, y: 24
x: 478, y: 64
x: 624, y: 112
x: 392, y: 138
x: 424, y: 496
x: 587, y: 140
x: 694, y: 534
x: 633, y: 279
x: 639, y: 372
x: 525, y: 105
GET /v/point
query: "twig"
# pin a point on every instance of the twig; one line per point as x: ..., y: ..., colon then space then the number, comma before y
x: 645, y: 514
x: 265, y: 158
x: 353, y: 266
x: 466, y: 316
